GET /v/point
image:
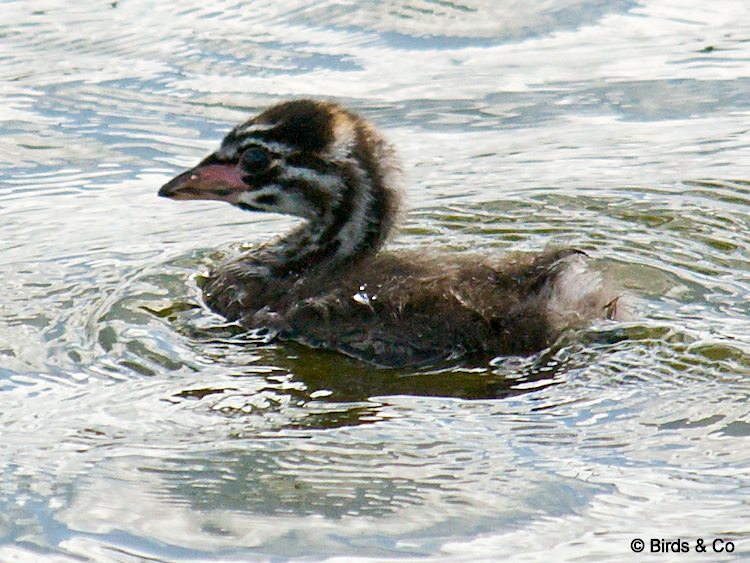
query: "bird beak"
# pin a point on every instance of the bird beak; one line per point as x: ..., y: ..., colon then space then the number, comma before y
x: 221, y: 182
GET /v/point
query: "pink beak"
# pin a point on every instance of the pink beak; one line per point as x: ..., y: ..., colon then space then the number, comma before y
x: 222, y: 182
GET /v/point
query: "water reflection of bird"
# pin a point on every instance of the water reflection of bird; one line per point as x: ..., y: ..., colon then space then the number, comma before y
x: 327, y: 284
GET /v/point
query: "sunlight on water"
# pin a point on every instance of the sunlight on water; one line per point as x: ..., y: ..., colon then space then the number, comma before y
x: 137, y: 425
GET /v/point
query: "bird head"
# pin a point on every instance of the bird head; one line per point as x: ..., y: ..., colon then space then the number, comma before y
x: 305, y: 158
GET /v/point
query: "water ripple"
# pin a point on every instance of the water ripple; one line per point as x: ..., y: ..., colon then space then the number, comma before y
x: 139, y: 425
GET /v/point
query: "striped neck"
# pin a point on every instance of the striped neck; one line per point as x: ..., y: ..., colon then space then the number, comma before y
x: 352, y: 227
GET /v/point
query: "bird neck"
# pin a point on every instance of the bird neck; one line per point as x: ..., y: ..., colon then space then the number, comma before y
x: 354, y: 227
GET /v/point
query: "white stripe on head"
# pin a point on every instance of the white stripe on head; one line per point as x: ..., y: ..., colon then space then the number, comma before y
x: 226, y: 152
x: 344, y: 136
x: 272, y: 146
x: 233, y: 150
x: 285, y: 203
x: 249, y: 128
x: 330, y: 184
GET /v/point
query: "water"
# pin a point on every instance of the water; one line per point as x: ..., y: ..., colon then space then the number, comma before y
x: 135, y: 425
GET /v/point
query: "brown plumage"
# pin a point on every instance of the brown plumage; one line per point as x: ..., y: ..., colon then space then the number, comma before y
x: 327, y: 284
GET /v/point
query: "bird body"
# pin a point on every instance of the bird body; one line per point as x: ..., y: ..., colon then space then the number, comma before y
x: 327, y: 283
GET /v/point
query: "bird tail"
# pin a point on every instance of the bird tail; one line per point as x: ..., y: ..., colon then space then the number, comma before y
x: 579, y: 293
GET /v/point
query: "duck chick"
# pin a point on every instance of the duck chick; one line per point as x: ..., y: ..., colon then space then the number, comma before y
x: 327, y: 284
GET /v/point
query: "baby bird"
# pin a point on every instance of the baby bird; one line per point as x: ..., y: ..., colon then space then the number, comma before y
x: 328, y: 284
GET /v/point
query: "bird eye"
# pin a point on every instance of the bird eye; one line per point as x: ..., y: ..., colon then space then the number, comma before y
x: 255, y: 160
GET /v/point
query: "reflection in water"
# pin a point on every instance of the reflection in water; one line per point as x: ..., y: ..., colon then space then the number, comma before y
x: 138, y: 425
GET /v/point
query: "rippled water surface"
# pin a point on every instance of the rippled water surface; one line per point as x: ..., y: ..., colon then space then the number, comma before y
x: 135, y: 425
